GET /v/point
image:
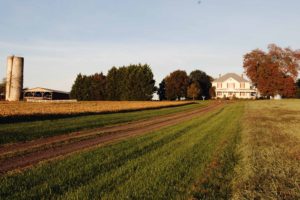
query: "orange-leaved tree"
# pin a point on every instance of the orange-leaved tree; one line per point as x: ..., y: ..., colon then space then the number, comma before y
x: 193, y: 91
x: 273, y: 72
x: 176, y: 85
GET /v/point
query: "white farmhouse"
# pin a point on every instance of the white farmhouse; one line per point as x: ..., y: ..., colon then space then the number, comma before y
x: 232, y: 85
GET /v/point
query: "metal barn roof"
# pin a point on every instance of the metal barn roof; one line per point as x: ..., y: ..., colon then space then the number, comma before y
x: 40, y: 89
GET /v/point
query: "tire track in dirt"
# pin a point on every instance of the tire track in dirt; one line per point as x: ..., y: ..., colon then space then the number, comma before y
x: 88, y: 139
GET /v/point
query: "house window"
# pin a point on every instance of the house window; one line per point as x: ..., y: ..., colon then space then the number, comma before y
x: 231, y: 85
x: 219, y: 93
x: 219, y: 85
x: 242, y: 85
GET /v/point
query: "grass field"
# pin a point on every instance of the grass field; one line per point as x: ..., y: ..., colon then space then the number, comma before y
x: 24, y: 131
x: 245, y: 150
x: 163, y: 164
x: 31, y: 108
x: 270, y: 151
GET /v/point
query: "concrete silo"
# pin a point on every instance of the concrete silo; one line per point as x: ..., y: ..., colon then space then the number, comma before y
x: 8, y: 76
x: 14, y: 78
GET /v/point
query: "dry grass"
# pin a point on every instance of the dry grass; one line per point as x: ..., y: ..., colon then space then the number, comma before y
x: 30, y: 108
x: 270, y: 151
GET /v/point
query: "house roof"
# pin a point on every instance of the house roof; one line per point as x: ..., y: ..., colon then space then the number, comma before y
x: 40, y: 89
x: 231, y: 75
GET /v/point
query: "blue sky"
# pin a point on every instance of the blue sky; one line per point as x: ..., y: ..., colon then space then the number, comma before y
x: 61, y: 38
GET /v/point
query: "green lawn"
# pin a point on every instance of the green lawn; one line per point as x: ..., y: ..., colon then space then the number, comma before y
x: 165, y: 164
x: 24, y: 131
x: 245, y: 150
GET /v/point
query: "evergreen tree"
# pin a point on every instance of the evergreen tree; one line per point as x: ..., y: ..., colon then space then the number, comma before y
x: 113, y: 84
x: 123, y: 83
x: 162, y: 90
x: 86, y: 88
x: 140, y: 82
x: 133, y: 82
x: 2, y: 89
x: 86, y: 93
x: 98, y: 87
x: 76, y: 91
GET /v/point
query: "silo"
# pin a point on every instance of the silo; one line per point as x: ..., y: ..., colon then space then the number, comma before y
x: 15, y: 67
x: 8, y: 76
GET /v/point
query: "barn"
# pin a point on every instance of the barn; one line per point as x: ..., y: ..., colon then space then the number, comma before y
x: 39, y: 93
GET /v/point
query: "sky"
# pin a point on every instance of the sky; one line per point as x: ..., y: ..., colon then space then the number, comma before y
x: 61, y: 38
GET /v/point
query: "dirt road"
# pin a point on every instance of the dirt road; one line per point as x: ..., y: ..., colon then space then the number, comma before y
x: 21, y: 155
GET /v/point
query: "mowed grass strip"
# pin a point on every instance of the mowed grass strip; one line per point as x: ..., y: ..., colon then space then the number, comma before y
x: 270, y: 150
x: 217, y: 182
x: 25, y: 131
x: 159, y: 165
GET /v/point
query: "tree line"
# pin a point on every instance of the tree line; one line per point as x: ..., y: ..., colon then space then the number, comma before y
x: 272, y: 73
x: 136, y: 82
x: 178, y: 85
x: 133, y: 82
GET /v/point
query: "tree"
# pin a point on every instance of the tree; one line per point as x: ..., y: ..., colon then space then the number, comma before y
x: 98, y: 87
x: 273, y: 72
x: 288, y: 88
x: 140, y: 83
x: 212, y: 92
x: 298, y: 88
x: 86, y: 88
x: 176, y: 85
x: 162, y: 90
x: 203, y: 82
x: 133, y: 82
x: 2, y: 89
x: 113, y: 84
x: 122, y: 83
x: 193, y: 91
x: 77, y: 87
